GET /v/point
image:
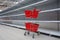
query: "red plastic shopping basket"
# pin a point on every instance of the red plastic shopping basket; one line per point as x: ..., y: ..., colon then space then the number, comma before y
x: 32, y: 27
x: 28, y: 13
x: 35, y: 13
x: 28, y: 25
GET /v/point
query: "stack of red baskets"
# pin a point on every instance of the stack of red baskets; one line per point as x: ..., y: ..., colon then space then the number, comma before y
x: 31, y: 27
x: 31, y: 14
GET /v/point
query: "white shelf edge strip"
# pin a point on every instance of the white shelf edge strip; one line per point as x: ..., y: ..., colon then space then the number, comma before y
x: 29, y: 21
x: 51, y: 32
x: 39, y: 12
x: 50, y: 10
x: 26, y: 6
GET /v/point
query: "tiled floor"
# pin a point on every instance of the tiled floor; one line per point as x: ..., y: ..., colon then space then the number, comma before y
x: 9, y: 33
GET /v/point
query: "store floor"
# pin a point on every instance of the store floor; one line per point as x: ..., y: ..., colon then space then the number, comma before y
x: 10, y: 33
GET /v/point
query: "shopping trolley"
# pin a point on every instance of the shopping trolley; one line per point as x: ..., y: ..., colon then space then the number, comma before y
x: 31, y: 27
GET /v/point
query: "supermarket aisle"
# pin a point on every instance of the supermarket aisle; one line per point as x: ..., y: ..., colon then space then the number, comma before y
x: 9, y: 33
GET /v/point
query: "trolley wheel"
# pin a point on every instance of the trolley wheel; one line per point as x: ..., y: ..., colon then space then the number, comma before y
x: 25, y: 33
x: 38, y: 33
x: 28, y: 33
x: 33, y: 36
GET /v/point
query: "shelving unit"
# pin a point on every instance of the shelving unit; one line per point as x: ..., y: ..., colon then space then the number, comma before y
x: 51, y: 10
